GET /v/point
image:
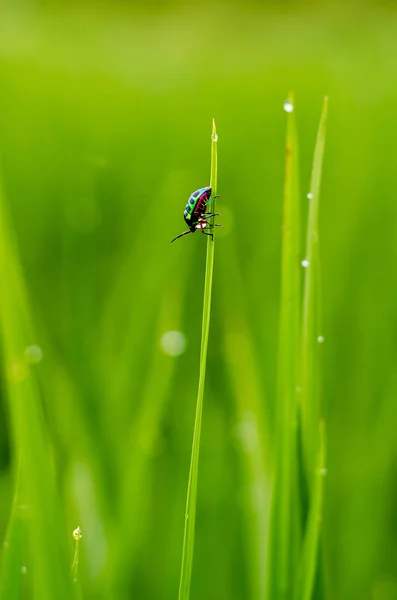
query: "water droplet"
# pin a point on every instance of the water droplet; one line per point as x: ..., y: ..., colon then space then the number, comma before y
x: 305, y: 263
x: 33, y: 354
x: 77, y: 534
x: 320, y: 339
x: 214, y: 137
x: 323, y: 471
x: 310, y: 195
x: 23, y: 570
x: 288, y: 106
x: 173, y: 343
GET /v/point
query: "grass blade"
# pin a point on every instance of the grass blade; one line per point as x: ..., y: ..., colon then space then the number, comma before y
x: 282, y: 540
x: 310, y: 401
x: 190, y: 514
x: 308, y: 564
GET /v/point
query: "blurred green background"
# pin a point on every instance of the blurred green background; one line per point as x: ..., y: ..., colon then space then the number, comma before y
x: 105, y: 122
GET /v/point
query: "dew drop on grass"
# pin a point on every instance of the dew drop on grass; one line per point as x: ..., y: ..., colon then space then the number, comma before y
x: 310, y: 195
x: 23, y: 570
x: 214, y: 137
x: 305, y: 263
x: 33, y: 354
x: 323, y: 471
x: 77, y: 534
x: 173, y: 343
x: 288, y: 106
x: 320, y: 339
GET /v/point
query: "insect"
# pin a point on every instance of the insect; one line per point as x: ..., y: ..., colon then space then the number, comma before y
x: 196, y: 215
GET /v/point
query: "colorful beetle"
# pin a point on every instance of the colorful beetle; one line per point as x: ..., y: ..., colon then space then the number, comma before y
x: 196, y: 215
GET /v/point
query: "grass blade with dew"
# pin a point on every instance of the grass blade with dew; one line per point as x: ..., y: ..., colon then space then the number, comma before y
x: 191, y: 500
x: 283, y: 533
x: 312, y: 425
x: 311, y: 335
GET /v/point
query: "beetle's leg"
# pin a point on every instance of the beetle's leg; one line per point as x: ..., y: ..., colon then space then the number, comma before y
x: 181, y: 235
x: 208, y: 233
x: 209, y: 215
x: 211, y: 199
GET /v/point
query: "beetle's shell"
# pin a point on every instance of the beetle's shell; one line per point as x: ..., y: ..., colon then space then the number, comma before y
x: 195, y: 206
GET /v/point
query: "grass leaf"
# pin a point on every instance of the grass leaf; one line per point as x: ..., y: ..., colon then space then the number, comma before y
x: 310, y: 401
x: 308, y: 563
x: 282, y: 540
x: 191, y: 500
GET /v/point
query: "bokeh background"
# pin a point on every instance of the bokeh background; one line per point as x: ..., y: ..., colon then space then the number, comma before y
x: 105, y: 122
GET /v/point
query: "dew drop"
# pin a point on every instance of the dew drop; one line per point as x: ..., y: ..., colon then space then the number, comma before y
x: 310, y: 195
x: 320, y: 339
x: 214, y: 137
x: 33, y: 354
x: 23, y: 570
x: 288, y: 106
x: 305, y: 263
x: 323, y: 471
x: 77, y: 534
x: 173, y: 343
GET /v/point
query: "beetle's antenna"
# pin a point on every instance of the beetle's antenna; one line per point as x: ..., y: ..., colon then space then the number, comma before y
x: 181, y: 235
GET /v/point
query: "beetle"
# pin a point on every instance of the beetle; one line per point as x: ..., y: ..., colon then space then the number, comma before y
x: 196, y: 215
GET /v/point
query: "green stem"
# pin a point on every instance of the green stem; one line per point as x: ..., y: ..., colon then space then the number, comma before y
x: 75, y: 566
x: 191, y: 499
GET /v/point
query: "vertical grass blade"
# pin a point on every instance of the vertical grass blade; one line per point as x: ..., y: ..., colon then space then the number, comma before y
x: 282, y: 530
x: 191, y: 499
x: 308, y: 564
x: 310, y: 394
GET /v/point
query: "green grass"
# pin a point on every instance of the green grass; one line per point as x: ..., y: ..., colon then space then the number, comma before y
x: 103, y: 117
x: 311, y: 320
x: 284, y: 537
x: 191, y: 499
x: 294, y: 527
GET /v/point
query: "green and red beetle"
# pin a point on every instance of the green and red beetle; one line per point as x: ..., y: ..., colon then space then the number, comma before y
x: 196, y: 215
